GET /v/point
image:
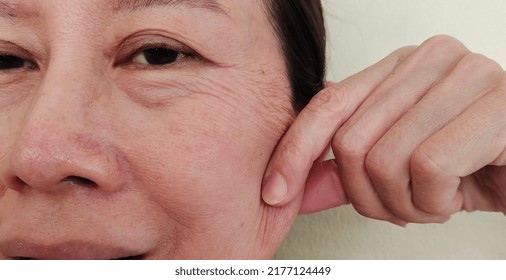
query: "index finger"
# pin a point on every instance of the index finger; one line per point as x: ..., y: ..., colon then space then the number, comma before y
x: 313, y: 129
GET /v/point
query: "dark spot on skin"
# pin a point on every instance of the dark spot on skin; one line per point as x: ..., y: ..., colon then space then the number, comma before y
x: 87, y: 142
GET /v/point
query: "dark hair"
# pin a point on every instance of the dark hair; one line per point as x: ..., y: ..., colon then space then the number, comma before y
x: 300, y: 28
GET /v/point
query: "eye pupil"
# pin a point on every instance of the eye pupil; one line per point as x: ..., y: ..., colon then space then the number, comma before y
x: 11, y: 62
x: 160, y: 56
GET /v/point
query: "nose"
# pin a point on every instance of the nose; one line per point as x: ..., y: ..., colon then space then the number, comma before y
x: 57, y: 143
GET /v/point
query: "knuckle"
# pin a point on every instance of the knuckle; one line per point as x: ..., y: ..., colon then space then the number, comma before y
x: 348, y: 145
x: 401, y: 53
x: 406, y: 50
x: 380, y: 167
x: 427, y: 161
x: 475, y: 64
x: 441, y: 46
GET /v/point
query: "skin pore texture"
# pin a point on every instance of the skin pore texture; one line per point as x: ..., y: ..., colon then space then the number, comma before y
x: 104, y: 155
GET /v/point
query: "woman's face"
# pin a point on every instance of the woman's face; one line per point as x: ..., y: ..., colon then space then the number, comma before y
x: 139, y: 129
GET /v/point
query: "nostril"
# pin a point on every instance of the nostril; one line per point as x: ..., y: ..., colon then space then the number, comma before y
x: 79, y: 181
x: 19, y: 182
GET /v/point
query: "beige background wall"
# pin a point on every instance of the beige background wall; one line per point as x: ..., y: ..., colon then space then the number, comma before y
x: 362, y: 32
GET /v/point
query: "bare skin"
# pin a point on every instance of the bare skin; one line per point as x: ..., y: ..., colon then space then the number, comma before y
x: 134, y: 132
x: 417, y: 137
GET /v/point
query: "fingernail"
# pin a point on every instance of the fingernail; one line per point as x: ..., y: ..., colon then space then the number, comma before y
x: 275, y: 189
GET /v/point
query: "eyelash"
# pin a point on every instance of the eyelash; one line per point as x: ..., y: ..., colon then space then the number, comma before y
x: 183, y: 54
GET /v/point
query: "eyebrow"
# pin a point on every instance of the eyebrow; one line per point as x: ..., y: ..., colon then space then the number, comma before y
x: 135, y: 5
x: 10, y: 10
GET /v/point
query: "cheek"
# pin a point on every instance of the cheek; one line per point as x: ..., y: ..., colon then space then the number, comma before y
x: 200, y: 156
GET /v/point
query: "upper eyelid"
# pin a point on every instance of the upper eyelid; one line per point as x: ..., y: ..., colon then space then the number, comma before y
x: 136, y: 40
x: 10, y: 48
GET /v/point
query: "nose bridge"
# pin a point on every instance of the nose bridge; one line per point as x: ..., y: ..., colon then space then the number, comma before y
x: 62, y: 94
x: 56, y: 110
x: 57, y: 142
x: 73, y: 70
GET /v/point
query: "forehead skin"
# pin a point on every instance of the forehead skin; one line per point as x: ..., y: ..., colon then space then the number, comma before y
x: 178, y: 153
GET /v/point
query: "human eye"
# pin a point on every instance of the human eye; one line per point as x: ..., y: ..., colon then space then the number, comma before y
x: 157, y: 56
x: 13, y: 62
x: 15, y: 58
x: 153, y: 52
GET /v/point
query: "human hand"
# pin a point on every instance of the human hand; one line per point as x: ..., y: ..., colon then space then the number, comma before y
x: 417, y: 137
